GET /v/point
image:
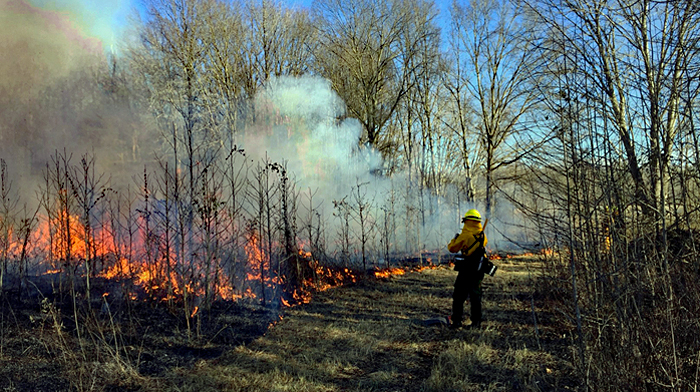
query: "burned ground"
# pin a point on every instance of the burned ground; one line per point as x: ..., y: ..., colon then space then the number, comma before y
x: 130, y: 347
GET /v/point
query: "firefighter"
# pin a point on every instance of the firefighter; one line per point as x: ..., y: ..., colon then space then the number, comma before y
x: 470, y: 243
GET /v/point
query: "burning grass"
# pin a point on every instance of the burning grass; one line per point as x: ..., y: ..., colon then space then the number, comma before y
x: 387, y: 272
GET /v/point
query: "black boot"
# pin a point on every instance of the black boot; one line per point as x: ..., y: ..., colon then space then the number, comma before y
x: 454, y: 323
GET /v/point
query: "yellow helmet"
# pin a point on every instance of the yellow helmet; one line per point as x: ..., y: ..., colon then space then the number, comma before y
x: 472, y: 215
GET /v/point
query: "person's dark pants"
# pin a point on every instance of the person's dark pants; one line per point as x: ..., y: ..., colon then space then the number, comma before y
x: 467, y: 285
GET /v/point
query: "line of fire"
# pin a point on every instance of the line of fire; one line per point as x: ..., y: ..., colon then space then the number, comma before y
x: 88, y: 241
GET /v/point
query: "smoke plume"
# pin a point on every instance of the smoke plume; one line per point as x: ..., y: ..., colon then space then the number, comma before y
x: 52, y: 95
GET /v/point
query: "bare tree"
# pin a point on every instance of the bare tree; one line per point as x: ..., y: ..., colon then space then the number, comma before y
x: 8, y: 217
x: 361, y: 213
x: 343, y: 213
x: 88, y: 190
x: 262, y: 196
x: 459, y: 116
x: 279, y: 39
x: 369, y: 51
x: 647, y: 38
x: 228, y: 72
x: 497, y: 42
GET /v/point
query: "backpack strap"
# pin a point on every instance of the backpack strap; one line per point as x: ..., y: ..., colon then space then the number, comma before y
x: 479, y: 237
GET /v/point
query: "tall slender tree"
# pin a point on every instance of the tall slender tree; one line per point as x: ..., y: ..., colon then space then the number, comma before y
x: 498, y: 43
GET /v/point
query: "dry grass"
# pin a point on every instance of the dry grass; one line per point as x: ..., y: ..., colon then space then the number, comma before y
x: 369, y: 337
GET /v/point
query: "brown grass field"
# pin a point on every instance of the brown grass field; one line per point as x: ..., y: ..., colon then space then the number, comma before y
x: 369, y: 336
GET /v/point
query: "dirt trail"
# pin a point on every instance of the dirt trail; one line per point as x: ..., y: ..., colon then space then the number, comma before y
x: 369, y: 337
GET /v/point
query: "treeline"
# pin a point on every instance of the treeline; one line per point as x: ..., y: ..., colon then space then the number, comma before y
x: 416, y: 90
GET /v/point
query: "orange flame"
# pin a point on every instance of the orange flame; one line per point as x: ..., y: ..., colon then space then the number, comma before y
x: 542, y: 252
x: 423, y: 268
x: 301, y: 297
x: 258, y: 266
x: 256, y: 257
x: 285, y: 303
x: 63, y: 240
x: 324, y: 278
x: 387, y: 272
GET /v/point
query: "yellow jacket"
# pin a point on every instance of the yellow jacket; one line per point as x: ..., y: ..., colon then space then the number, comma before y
x: 471, y: 231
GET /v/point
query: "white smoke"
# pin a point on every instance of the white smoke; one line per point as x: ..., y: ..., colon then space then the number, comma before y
x: 303, y: 124
x: 311, y: 136
x: 320, y: 147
